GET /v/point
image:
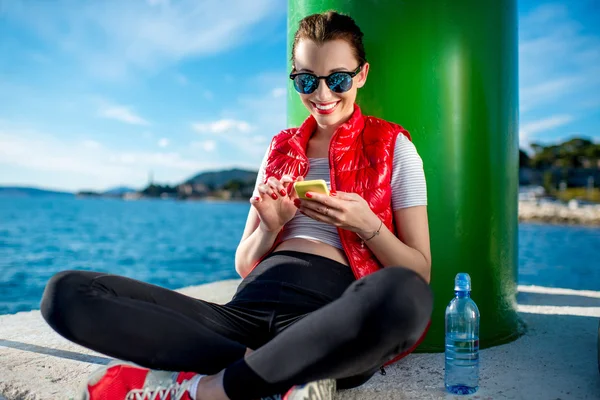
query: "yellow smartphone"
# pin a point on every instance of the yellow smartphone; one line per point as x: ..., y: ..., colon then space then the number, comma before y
x: 317, y: 185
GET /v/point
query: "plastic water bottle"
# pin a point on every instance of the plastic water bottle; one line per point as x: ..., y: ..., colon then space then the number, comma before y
x: 462, y: 339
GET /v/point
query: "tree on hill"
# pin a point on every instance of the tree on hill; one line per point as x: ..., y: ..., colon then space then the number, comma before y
x: 574, y: 153
x: 154, y: 190
x: 215, y: 180
x: 524, y: 159
x: 234, y: 185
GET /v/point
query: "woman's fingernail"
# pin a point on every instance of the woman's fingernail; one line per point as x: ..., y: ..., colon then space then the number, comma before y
x: 297, y: 203
x: 333, y: 193
x: 309, y: 195
x: 282, y: 192
x: 274, y: 196
x: 256, y: 198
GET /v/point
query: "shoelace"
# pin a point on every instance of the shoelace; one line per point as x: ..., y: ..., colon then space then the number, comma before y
x: 157, y: 393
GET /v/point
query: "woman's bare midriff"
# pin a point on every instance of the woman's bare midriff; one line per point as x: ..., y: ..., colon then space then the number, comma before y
x: 314, y: 247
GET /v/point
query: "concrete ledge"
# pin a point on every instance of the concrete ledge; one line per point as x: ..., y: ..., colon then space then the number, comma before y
x: 556, y: 359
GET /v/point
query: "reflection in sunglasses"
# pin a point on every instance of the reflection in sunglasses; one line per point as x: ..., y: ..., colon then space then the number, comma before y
x: 338, y: 82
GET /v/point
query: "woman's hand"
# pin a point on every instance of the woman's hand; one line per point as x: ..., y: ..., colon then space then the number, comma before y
x: 345, y: 210
x: 275, y: 205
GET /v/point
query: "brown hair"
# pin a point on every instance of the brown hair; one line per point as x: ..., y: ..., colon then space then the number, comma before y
x: 331, y: 25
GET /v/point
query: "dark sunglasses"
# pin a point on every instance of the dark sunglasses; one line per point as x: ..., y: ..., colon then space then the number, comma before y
x: 338, y: 82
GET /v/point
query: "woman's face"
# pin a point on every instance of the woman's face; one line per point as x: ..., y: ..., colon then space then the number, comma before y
x: 329, y: 108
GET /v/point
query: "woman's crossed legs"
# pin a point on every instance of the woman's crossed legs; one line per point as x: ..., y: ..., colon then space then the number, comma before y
x: 347, y: 339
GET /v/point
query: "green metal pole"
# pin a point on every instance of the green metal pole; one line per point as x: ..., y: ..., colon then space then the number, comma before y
x: 447, y: 71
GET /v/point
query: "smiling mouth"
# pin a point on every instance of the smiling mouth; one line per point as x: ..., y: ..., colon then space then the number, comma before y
x: 325, y: 107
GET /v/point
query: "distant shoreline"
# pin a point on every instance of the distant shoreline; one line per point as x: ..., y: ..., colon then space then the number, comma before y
x: 556, y: 213
x: 537, y: 211
x: 529, y: 211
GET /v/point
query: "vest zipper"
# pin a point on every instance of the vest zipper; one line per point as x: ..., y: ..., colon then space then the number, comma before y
x: 382, y: 371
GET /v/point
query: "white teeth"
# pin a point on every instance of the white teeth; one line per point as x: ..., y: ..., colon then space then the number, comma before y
x: 327, y: 107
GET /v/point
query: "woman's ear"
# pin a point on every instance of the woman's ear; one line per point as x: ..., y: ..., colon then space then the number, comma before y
x: 362, y: 75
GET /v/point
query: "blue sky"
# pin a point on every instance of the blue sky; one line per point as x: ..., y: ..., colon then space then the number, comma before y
x: 95, y: 94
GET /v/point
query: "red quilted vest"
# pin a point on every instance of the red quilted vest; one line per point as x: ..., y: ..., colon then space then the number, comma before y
x: 360, y: 159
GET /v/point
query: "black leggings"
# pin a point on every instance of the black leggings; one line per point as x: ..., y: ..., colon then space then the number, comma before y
x: 304, y: 315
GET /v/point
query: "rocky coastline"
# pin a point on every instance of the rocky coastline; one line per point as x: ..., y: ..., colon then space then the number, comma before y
x: 573, y: 213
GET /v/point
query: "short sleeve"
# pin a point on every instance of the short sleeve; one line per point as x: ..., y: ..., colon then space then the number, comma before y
x: 261, y: 173
x: 408, y: 184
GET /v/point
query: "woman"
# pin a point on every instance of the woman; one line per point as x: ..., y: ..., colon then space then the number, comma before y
x: 334, y: 286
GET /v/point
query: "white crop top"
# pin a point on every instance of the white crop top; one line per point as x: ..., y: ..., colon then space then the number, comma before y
x: 408, y: 186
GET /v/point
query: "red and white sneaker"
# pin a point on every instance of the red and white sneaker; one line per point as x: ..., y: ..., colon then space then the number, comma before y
x: 126, y: 381
x: 317, y: 390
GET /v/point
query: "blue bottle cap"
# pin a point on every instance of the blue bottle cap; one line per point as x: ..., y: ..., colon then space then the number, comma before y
x: 462, y: 281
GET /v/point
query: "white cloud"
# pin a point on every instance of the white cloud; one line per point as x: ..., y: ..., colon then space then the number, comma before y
x: 77, y: 165
x: 269, y: 115
x: 91, y: 144
x: 206, y: 145
x: 556, y: 56
x: 222, y: 126
x: 158, y: 2
x: 545, y: 124
x: 155, y: 160
x: 181, y: 79
x: 273, y: 79
x: 530, y: 129
x: 279, y: 92
x: 260, y: 139
x: 559, y: 70
x: 264, y: 115
x: 113, y: 37
x: 547, y: 92
x: 121, y: 113
x: 163, y: 142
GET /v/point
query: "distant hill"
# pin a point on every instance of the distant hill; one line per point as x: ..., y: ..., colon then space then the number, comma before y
x: 217, y: 179
x: 119, y: 191
x: 18, y: 191
x: 238, y: 182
